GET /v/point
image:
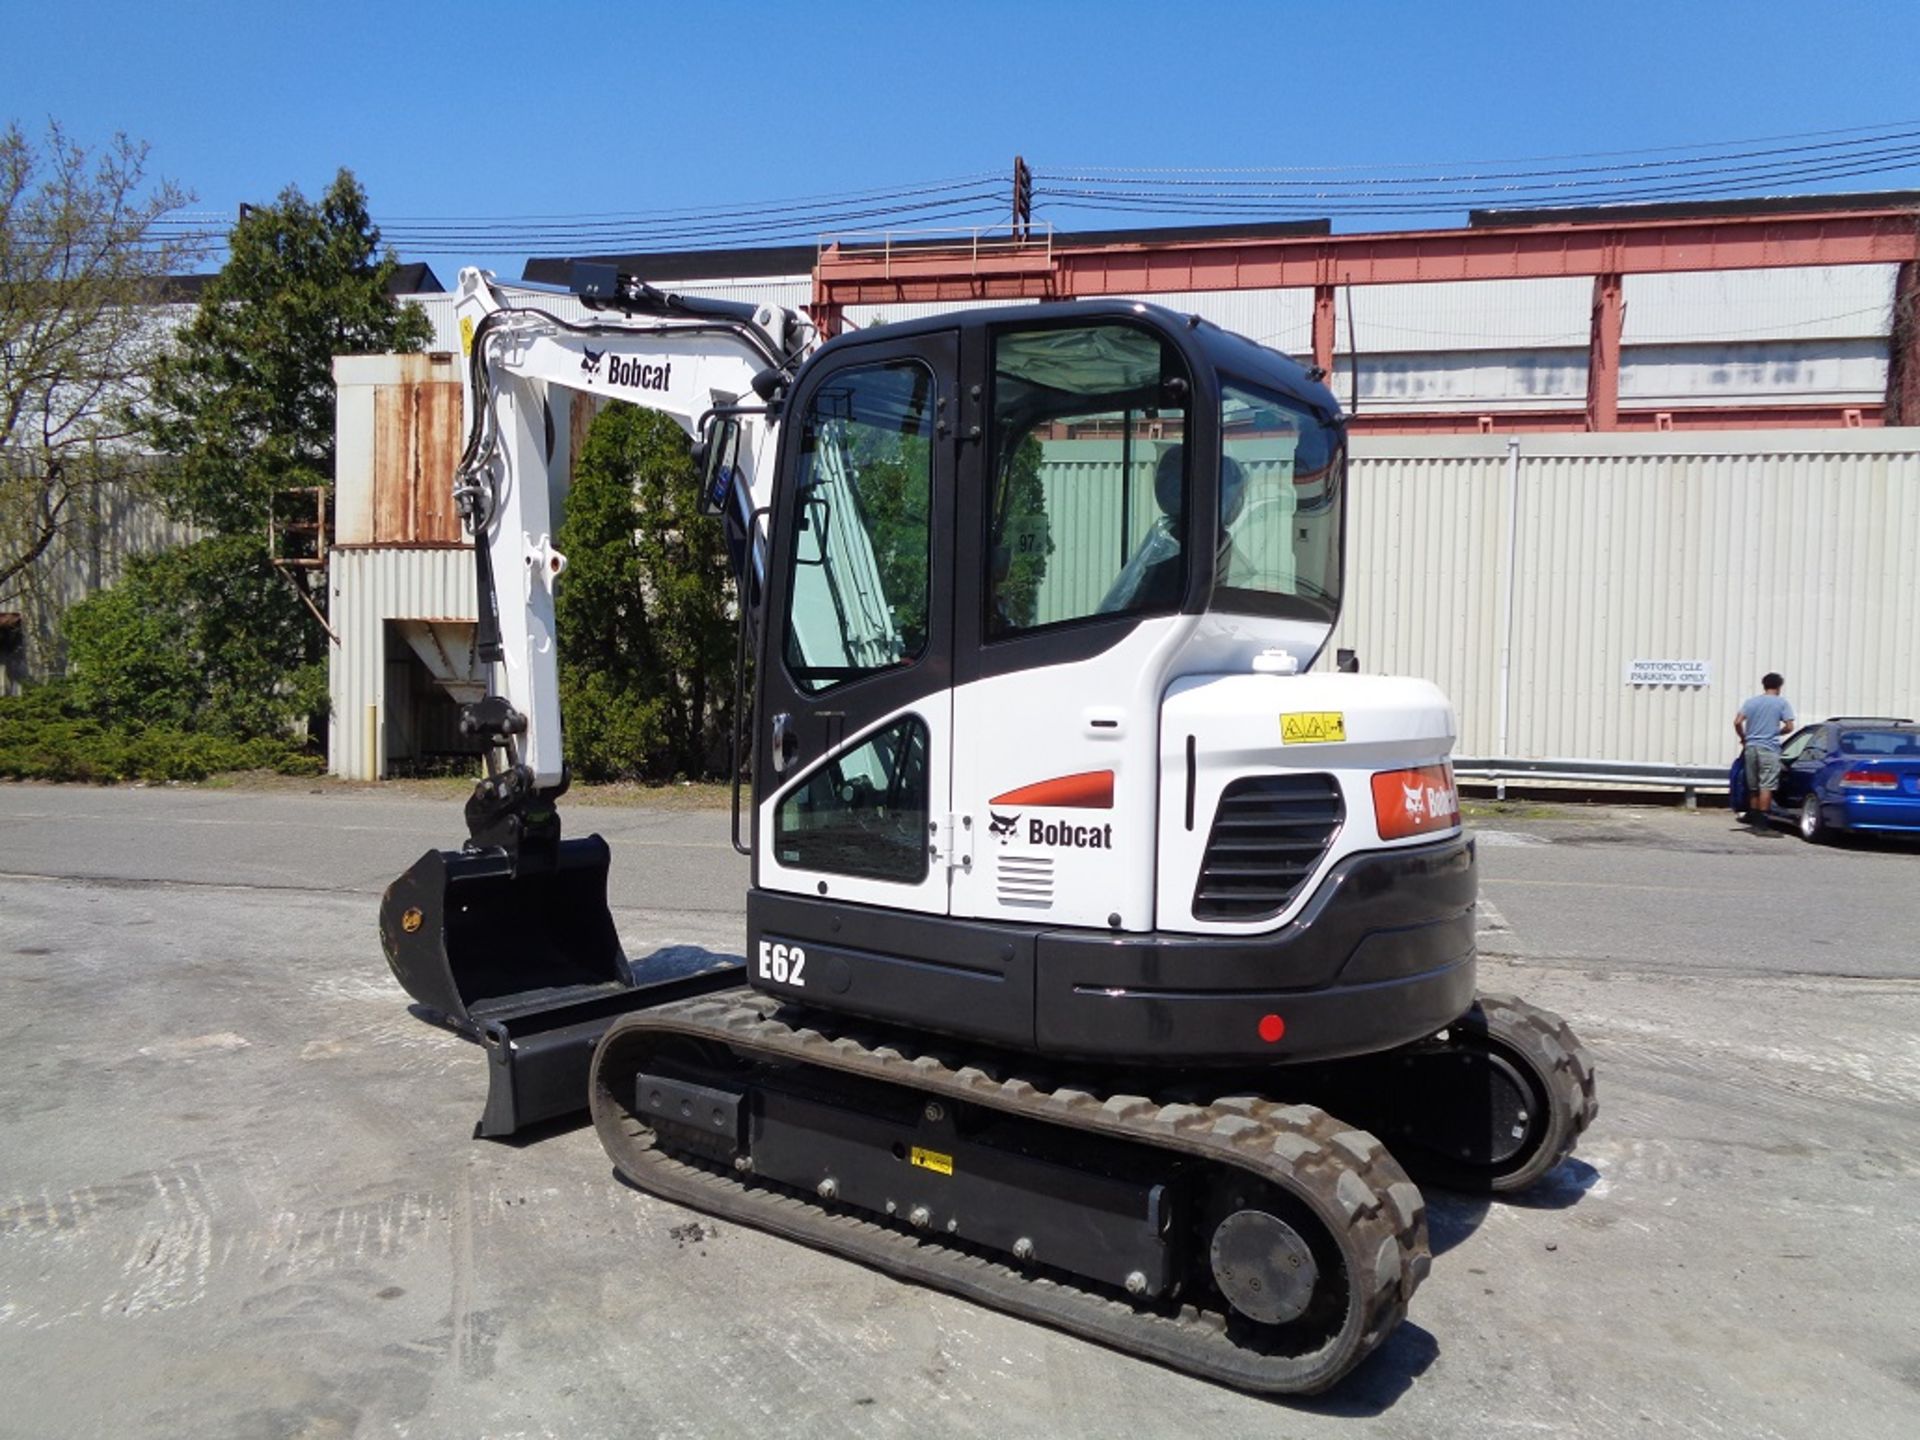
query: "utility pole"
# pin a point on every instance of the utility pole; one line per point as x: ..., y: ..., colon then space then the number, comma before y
x: 1022, y: 199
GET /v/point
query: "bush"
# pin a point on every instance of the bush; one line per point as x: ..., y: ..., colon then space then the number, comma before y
x: 45, y: 734
x: 205, y: 638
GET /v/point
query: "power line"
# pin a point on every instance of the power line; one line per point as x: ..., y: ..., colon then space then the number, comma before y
x: 1694, y: 147
x: 1720, y: 169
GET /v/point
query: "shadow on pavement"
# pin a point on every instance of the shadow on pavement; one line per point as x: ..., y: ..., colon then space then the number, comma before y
x: 1453, y: 1216
x: 1381, y: 1379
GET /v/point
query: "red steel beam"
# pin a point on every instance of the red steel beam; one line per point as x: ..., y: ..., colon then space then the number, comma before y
x: 1903, y: 346
x: 1323, y: 327
x: 1603, y: 354
x: 1612, y: 247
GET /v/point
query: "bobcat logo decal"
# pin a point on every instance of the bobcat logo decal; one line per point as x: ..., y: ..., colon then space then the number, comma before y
x: 591, y: 362
x: 1003, y: 825
x: 1416, y: 800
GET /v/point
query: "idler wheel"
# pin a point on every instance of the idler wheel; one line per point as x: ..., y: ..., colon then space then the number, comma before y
x: 1263, y: 1267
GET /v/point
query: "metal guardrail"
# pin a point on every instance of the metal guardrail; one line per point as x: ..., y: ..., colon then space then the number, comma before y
x: 1690, y: 779
x: 976, y: 244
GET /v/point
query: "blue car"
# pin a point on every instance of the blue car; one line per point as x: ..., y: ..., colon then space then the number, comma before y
x: 1845, y: 773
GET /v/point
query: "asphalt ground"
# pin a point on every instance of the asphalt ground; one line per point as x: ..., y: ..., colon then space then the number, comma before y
x: 238, y: 1197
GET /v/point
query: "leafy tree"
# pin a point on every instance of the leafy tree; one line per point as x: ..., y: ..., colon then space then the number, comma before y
x: 204, y: 638
x: 83, y: 248
x: 244, y: 401
x: 642, y: 608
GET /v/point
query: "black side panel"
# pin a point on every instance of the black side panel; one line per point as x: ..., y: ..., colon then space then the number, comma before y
x: 1381, y: 956
x: 964, y: 977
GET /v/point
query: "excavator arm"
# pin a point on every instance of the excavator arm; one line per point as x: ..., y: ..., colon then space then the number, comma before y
x: 509, y: 940
x: 694, y: 360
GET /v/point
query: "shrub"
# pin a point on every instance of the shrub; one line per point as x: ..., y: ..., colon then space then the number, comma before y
x: 206, y: 638
x: 45, y: 734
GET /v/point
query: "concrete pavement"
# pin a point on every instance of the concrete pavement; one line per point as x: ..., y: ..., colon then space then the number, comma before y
x: 237, y: 1195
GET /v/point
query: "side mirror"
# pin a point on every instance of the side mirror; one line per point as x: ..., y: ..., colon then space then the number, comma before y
x: 717, y: 454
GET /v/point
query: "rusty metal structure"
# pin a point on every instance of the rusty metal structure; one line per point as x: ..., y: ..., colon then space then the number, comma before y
x: 1603, y: 247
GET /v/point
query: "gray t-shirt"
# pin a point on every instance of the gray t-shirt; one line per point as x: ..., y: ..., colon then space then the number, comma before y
x: 1763, y: 714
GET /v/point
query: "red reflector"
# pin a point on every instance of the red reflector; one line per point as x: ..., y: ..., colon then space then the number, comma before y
x: 1413, y: 802
x: 1272, y: 1027
x: 1870, y: 779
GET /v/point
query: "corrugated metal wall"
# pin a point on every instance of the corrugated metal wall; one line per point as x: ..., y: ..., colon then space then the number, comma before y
x: 368, y: 587
x: 1792, y: 551
x: 106, y: 524
x: 1796, y: 551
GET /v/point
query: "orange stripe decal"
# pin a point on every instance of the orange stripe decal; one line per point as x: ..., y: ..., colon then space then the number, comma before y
x: 1092, y: 790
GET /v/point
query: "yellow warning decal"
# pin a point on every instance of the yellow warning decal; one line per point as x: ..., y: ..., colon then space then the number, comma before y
x: 1313, y: 727
x: 466, y: 334
x: 932, y: 1160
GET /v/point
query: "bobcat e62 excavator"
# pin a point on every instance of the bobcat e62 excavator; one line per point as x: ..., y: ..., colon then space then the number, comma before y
x: 1106, y: 960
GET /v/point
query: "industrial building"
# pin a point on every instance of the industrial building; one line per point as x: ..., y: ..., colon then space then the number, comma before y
x: 1590, y: 448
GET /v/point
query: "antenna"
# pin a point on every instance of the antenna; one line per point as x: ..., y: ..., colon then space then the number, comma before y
x: 1353, y: 359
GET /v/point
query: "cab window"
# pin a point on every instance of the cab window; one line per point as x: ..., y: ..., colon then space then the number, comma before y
x: 862, y: 560
x: 1089, y: 494
x: 1281, y: 471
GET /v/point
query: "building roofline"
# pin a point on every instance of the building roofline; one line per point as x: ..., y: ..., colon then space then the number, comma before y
x: 412, y: 278
x: 756, y: 262
x: 1691, y: 209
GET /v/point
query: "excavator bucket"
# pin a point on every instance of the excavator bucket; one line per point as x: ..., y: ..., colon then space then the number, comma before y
x: 527, y: 962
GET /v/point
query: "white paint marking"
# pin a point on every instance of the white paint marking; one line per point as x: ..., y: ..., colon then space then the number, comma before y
x: 1506, y: 839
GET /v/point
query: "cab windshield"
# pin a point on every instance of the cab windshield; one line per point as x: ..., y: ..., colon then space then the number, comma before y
x: 1282, y: 469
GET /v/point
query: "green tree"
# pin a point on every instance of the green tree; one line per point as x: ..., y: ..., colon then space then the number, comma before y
x: 83, y: 249
x: 203, y: 638
x: 642, y: 608
x: 244, y: 400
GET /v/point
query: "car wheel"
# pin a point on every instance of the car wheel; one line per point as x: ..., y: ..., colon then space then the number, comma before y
x: 1812, y: 828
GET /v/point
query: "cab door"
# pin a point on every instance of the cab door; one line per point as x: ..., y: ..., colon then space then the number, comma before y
x: 854, y: 756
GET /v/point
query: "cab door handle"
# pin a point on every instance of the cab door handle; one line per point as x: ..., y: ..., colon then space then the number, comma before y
x: 786, y: 743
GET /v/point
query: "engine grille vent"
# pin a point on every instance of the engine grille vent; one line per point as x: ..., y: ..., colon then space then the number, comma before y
x: 1026, y: 881
x: 1268, y: 834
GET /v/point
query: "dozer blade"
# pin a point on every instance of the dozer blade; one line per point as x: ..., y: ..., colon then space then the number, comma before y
x: 527, y: 962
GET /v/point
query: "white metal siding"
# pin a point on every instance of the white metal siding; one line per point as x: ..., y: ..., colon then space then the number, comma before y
x: 1422, y: 587
x: 367, y: 588
x: 1469, y: 380
x: 1814, y: 302
x: 1467, y: 315
x: 1782, y: 372
x: 1754, y: 551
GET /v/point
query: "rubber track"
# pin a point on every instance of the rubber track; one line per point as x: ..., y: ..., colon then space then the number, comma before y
x: 1347, y: 1177
x: 1558, y: 1060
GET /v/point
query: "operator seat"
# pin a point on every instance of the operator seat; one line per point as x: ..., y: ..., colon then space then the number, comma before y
x: 1152, y: 579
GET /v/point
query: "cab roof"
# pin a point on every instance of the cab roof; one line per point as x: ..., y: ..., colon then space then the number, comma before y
x: 1204, y: 342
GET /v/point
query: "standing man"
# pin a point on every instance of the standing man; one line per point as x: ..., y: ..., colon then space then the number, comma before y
x: 1760, y: 723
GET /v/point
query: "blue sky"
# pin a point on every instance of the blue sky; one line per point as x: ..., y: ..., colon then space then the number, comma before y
x: 498, y: 110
